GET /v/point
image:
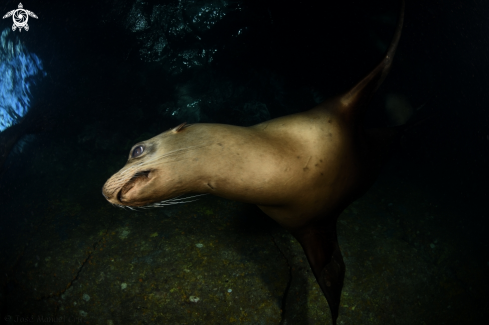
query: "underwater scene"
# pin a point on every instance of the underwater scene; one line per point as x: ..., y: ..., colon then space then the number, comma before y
x: 244, y: 162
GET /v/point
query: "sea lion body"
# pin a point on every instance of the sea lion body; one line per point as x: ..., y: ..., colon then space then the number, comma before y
x: 302, y: 170
x: 294, y: 167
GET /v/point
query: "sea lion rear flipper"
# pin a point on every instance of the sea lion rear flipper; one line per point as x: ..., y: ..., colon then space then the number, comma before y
x: 353, y: 102
x: 320, y: 243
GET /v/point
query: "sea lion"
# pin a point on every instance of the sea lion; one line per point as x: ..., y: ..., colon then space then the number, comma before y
x: 302, y: 170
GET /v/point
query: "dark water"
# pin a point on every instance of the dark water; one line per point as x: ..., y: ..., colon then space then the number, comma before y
x: 118, y: 72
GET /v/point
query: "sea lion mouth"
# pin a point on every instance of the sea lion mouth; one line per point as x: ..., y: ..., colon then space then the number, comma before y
x: 137, y: 179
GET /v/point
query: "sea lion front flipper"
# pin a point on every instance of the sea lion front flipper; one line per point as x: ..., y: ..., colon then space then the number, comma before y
x: 320, y: 243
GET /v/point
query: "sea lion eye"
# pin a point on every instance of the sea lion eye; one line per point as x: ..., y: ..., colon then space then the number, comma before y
x: 138, y: 151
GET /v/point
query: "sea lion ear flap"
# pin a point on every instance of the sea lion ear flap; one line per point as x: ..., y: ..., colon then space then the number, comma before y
x: 179, y: 128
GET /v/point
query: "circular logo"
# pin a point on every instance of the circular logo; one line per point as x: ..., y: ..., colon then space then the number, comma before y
x: 20, y: 18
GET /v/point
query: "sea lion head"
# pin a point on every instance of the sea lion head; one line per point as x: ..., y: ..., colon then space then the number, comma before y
x: 153, y: 172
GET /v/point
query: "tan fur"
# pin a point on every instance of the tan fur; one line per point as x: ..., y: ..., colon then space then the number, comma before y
x: 294, y: 167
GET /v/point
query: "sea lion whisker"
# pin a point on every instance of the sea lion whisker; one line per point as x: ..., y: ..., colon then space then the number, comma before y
x: 180, y: 202
x: 153, y: 205
x: 175, y: 200
x: 118, y: 206
x: 184, y: 198
x: 162, y: 204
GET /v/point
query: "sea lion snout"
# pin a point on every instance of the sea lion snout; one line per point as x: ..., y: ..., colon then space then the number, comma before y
x: 121, y: 190
x: 133, y: 187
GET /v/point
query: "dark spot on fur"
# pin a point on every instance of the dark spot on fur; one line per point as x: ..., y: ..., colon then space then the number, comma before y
x: 210, y: 185
x: 329, y: 121
x: 321, y: 174
x: 219, y: 144
x: 305, y: 169
x: 316, y: 165
x: 298, y: 157
x: 320, y: 160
